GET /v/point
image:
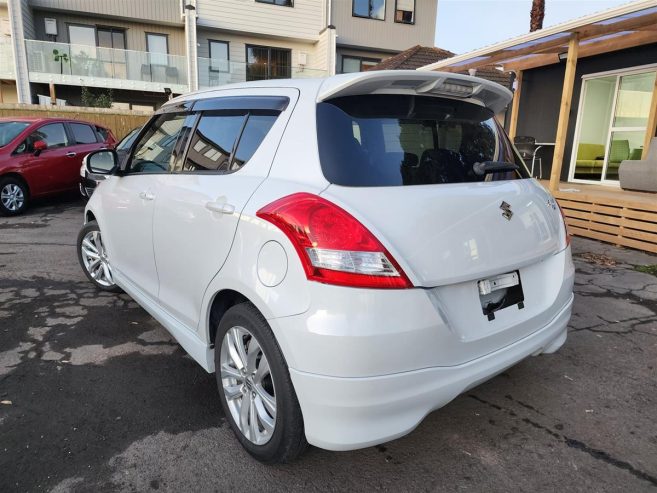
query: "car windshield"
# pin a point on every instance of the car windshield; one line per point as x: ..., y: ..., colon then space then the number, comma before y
x: 394, y: 140
x: 9, y: 131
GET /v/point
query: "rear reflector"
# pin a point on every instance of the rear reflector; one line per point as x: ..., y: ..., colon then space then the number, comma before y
x: 334, y: 247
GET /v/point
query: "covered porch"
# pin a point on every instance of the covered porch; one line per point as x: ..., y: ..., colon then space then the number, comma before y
x: 586, y: 92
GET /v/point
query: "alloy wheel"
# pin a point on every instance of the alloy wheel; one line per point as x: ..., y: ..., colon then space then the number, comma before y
x: 94, y: 257
x: 248, y: 385
x: 12, y: 197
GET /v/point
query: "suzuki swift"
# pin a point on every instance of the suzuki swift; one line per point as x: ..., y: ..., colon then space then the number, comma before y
x: 346, y: 255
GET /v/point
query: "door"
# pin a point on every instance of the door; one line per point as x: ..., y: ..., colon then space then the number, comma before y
x: 128, y: 203
x: 52, y: 169
x: 228, y: 156
x: 264, y: 62
x: 111, y: 48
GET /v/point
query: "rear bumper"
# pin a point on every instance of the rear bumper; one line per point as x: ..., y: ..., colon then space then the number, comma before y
x: 350, y: 413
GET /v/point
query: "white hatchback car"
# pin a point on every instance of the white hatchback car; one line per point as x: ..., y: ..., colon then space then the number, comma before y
x: 349, y: 254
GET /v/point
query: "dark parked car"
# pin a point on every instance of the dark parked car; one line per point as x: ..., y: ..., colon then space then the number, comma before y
x: 42, y: 156
x: 87, y: 185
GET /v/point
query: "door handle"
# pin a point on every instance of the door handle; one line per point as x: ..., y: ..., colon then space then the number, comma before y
x: 220, y: 207
x: 71, y: 154
x: 146, y: 195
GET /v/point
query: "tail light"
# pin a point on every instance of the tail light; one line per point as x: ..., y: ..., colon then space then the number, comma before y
x: 565, y: 226
x: 333, y: 246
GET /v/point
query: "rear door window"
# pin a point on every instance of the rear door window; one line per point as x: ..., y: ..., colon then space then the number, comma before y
x: 225, y: 141
x: 83, y: 134
x: 394, y: 140
x: 213, y: 143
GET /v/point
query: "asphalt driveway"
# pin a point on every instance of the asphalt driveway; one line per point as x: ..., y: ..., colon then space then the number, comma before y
x: 96, y: 396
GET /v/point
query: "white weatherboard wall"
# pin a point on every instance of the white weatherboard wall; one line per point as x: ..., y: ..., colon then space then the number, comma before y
x: 388, y: 34
x: 304, y: 21
x: 151, y: 11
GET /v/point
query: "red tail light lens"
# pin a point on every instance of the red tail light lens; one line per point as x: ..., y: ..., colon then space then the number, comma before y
x: 333, y: 246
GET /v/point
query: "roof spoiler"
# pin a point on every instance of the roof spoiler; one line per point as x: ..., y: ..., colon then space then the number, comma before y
x: 455, y: 86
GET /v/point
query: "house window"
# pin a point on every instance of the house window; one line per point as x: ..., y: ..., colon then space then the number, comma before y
x: 157, y: 46
x: 114, y: 58
x: 370, y: 9
x: 283, y: 3
x: 265, y: 62
x: 219, y: 56
x: 612, y: 124
x: 405, y: 11
x: 352, y: 64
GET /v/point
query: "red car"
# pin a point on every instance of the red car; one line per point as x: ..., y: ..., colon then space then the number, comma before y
x: 42, y: 156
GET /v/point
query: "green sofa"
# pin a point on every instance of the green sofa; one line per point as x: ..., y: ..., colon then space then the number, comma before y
x: 590, y: 159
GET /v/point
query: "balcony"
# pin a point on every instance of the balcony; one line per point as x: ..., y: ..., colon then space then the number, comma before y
x: 7, y: 70
x: 213, y: 73
x: 92, y: 66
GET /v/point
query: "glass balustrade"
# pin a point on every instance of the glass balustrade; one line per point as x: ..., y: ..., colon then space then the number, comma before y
x: 213, y: 73
x: 64, y: 59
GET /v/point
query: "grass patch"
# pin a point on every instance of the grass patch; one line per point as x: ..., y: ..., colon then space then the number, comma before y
x: 648, y: 269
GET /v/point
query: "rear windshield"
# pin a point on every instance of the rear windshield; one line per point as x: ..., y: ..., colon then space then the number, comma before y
x: 391, y: 140
x: 10, y: 130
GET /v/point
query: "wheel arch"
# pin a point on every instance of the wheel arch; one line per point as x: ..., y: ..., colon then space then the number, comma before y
x: 17, y: 176
x: 221, y: 303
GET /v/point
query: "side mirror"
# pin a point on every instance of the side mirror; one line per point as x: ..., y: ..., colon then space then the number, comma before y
x: 100, y: 164
x: 39, y: 146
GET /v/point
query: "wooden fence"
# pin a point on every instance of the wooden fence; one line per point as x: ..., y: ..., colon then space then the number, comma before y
x: 119, y: 121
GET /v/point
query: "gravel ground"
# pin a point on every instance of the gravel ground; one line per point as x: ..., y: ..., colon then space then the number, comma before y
x: 96, y: 396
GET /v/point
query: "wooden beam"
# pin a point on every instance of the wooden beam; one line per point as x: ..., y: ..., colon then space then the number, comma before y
x: 651, y: 128
x: 515, y: 106
x: 564, y: 112
x: 591, y: 49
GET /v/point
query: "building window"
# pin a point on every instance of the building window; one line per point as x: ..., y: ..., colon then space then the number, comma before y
x: 265, y: 62
x: 219, y: 56
x: 352, y: 64
x: 405, y: 11
x: 370, y: 9
x: 157, y: 46
x: 283, y: 3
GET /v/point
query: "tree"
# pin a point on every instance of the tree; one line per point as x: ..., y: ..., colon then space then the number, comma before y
x: 536, y: 15
x: 102, y: 100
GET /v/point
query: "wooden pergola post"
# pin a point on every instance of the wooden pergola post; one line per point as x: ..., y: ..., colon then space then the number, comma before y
x: 515, y: 106
x: 651, y: 128
x: 564, y: 111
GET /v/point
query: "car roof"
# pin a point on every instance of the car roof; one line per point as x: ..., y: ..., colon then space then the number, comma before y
x: 33, y: 119
x: 444, y: 84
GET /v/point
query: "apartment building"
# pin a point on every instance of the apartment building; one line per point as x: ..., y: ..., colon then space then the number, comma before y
x: 144, y: 50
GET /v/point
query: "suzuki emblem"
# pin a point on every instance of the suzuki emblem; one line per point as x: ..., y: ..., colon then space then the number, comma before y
x: 506, y: 211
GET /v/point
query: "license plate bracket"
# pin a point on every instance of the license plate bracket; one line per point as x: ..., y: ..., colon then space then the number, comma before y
x: 499, y: 292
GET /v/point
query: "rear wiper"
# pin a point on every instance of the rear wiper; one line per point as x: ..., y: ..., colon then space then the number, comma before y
x: 481, y: 169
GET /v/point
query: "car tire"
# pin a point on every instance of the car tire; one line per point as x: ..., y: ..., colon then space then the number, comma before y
x: 14, y: 196
x: 93, y: 258
x: 287, y: 440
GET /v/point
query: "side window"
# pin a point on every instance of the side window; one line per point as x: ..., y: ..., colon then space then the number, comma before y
x: 53, y: 134
x: 104, y: 134
x: 83, y: 134
x: 212, y: 145
x: 256, y: 129
x: 153, y: 153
